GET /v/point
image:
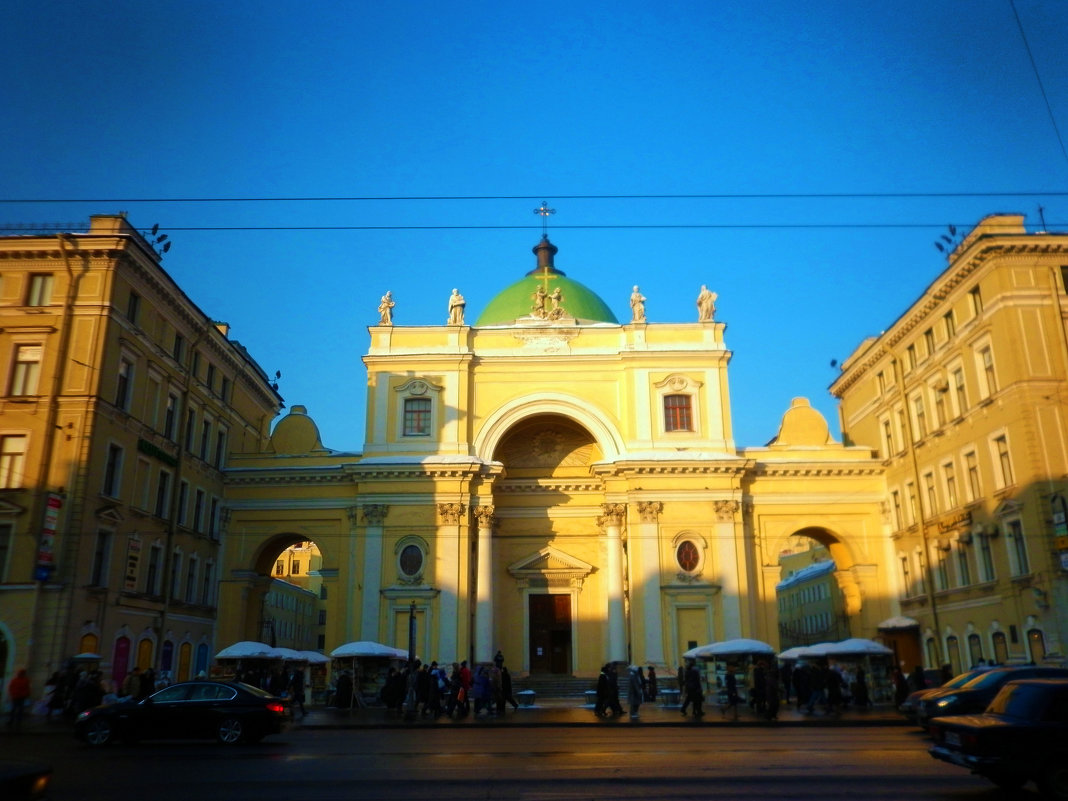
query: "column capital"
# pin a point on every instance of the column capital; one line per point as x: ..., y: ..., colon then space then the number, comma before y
x: 484, y: 515
x: 725, y: 510
x: 650, y: 510
x: 450, y: 512
x: 613, y: 514
x: 374, y: 514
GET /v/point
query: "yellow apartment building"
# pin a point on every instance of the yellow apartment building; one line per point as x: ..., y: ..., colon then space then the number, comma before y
x: 120, y: 405
x: 811, y: 606
x: 964, y: 399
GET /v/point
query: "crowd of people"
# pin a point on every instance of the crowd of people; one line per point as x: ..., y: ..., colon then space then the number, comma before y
x: 431, y: 690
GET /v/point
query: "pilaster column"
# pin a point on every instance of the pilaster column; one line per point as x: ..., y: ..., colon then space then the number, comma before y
x: 728, y: 568
x: 645, y: 562
x: 374, y: 517
x: 612, y: 521
x: 484, y: 649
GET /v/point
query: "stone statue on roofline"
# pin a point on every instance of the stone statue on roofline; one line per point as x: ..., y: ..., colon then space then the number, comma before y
x: 456, y: 308
x: 385, y: 309
x: 637, y: 306
x: 706, y: 305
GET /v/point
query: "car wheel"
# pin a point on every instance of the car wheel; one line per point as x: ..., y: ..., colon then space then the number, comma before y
x: 230, y: 730
x: 98, y: 732
x: 1053, y: 781
x: 1008, y: 781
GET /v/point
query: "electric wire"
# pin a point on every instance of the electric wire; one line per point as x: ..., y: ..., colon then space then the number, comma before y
x: 1038, y: 77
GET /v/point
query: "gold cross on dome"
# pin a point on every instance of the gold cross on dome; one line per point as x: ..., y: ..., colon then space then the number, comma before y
x: 544, y: 211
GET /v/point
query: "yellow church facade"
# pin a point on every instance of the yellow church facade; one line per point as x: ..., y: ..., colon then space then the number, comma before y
x: 556, y: 485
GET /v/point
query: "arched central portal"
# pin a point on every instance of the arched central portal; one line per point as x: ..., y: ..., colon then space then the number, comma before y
x: 548, y: 543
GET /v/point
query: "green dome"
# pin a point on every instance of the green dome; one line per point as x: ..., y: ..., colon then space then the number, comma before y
x: 518, y: 300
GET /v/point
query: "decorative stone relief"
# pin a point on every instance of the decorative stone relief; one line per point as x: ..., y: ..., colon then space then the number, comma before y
x: 613, y: 514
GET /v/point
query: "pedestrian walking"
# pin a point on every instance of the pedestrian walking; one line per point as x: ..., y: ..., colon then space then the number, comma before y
x: 694, y: 693
x: 506, y: 690
x: 613, y: 690
x: 18, y: 694
x: 731, y: 684
x: 650, y: 686
x: 296, y: 690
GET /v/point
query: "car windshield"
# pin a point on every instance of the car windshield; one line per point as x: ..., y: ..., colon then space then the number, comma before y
x: 986, y: 680
x: 962, y: 679
x: 1026, y: 701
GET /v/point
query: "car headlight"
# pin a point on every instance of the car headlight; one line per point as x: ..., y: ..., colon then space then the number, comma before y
x: 85, y: 714
x: 949, y: 700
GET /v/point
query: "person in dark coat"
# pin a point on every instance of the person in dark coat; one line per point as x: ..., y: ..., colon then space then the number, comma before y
x: 802, y: 686
x: 296, y: 689
x: 917, y: 681
x: 860, y: 690
x: 694, y: 693
x: 602, y: 693
x: 731, y: 684
x: 650, y: 685
x: 506, y: 690
x: 771, y: 693
x: 613, y: 690
x: 901, y: 687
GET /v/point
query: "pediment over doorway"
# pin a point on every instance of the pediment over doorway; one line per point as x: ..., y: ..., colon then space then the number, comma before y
x: 550, y: 567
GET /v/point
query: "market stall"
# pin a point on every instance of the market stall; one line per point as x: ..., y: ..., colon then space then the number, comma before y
x: 360, y: 671
x: 739, y: 656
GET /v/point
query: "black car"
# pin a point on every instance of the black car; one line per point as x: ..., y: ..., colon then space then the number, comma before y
x: 1022, y: 736
x: 980, y: 691
x: 229, y: 711
x: 910, y: 706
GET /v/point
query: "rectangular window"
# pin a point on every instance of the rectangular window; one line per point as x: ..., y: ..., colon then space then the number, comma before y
x: 26, y: 374
x: 198, y: 511
x: 178, y: 350
x: 1020, y: 564
x: 206, y: 587
x: 989, y: 384
x: 190, y: 426
x: 910, y: 356
x: 1001, y: 446
x: 949, y: 323
x: 919, y: 418
x: 112, y: 471
x: 205, y: 438
x: 976, y: 299
x: 12, y: 461
x: 906, y: 577
x: 677, y: 413
x: 896, y: 498
x: 929, y: 491
x: 195, y: 369
x: 40, y: 293
x: 170, y: 417
x: 220, y: 448
x: 98, y: 576
x: 941, y: 574
x: 224, y: 391
x: 964, y: 570
x: 910, y: 490
x: 176, y: 575
x: 210, y: 380
x: 133, y: 306
x: 949, y: 479
x: 191, y: 581
x: 888, y: 438
x: 417, y: 417
x: 183, y: 501
x: 152, y: 402
x: 929, y: 341
x: 213, y: 519
x: 986, y: 559
x: 296, y: 567
x: 322, y: 617
x: 940, y: 407
x: 279, y: 568
x: 122, y: 389
x: 152, y: 571
x: 163, y: 493
x: 971, y: 464
x: 880, y: 382
x: 959, y: 391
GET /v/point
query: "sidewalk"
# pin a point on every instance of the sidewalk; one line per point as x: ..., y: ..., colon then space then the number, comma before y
x: 573, y: 712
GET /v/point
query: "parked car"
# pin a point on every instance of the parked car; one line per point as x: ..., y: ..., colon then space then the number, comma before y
x: 980, y: 691
x: 229, y: 711
x: 1022, y: 736
x: 910, y: 705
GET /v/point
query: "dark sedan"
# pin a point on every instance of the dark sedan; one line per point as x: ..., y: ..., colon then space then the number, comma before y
x: 980, y: 691
x: 230, y: 712
x: 910, y: 706
x: 1022, y: 736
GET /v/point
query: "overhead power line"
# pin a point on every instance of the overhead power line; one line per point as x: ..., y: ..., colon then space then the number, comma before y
x: 1038, y: 78
x: 706, y: 196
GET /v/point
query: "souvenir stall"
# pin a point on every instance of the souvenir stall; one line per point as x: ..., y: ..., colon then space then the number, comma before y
x: 318, y: 676
x: 254, y: 663
x: 360, y: 670
x: 876, y: 660
x: 739, y: 657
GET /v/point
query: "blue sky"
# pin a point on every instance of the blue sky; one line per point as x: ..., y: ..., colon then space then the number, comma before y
x: 523, y: 102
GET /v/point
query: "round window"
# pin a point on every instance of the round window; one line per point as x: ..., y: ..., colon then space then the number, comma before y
x: 411, y: 560
x: 688, y: 556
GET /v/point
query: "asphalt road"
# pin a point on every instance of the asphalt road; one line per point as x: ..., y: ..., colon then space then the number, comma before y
x: 869, y: 763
